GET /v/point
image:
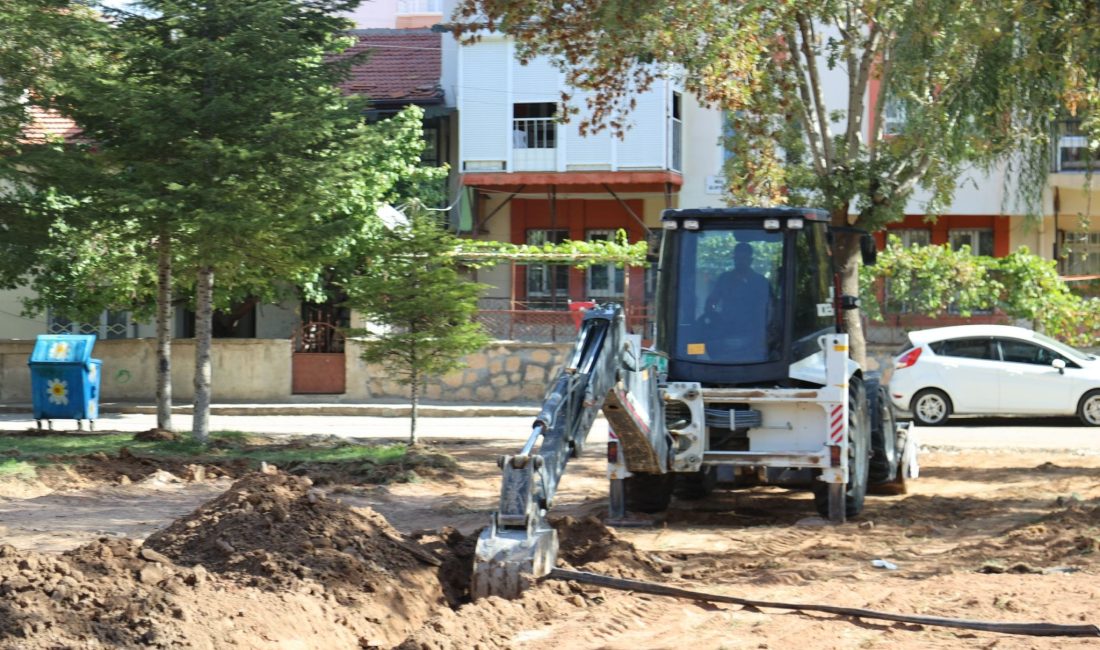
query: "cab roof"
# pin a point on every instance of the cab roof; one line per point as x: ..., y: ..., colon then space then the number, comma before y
x: 812, y: 214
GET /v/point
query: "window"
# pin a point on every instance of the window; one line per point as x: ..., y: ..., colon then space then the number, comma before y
x: 980, y: 240
x: 913, y: 236
x: 893, y: 117
x: 547, y: 284
x: 109, y: 325
x: 1081, y: 251
x: 534, y: 125
x: 605, y: 280
x: 1023, y: 352
x: 964, y: 348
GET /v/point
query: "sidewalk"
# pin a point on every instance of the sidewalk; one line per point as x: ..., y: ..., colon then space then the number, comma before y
x: 315, y: 408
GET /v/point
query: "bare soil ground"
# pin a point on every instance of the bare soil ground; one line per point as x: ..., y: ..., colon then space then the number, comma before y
x: 181, y: 557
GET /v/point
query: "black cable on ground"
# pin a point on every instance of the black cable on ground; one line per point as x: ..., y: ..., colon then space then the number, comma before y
x: 1030, y: 629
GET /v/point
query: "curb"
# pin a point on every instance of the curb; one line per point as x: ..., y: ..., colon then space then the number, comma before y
x: 364, y: 410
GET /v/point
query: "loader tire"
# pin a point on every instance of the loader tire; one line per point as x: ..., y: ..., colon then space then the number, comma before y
x: 859, y: 455
x: 696, y: 485
x: 648, y: 493
x: 884, y: 452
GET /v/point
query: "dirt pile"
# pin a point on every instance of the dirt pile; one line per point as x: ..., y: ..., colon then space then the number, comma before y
x: 271, y: 543
x: 276, y: 532
x: 589, y: 545
x: 103, y: 594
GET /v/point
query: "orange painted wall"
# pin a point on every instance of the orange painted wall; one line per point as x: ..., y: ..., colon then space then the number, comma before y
x: 943, y: 225
x: 578, y: 216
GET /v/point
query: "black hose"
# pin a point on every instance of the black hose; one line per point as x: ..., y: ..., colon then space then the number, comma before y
x: 1029, y: 629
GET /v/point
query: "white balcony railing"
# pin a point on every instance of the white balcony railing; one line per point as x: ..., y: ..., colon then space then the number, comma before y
x: 1073, y: 152
x: 534, y: 143
x: 419, y: 7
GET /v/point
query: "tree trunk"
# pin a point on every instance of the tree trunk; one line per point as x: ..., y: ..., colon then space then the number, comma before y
x: 164, y: 332
x: 415, y: 398
x: 204, y: 308
x: 847, y: 257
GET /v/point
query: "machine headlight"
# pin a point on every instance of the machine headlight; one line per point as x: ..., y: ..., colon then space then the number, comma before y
x: 691, y: 224
x: 794, y: 224
x: 771, y: 224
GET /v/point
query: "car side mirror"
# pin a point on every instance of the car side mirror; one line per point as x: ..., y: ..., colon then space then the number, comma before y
x: 867, y: 249
x: 1060, y: 365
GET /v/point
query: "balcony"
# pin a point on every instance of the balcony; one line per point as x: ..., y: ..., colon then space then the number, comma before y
x: 418, y: 14
x: 534, y: 144
x: 1072, y: 150
x: 406, y: 7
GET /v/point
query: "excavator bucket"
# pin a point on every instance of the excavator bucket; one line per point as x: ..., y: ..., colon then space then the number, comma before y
x: 507, y: 561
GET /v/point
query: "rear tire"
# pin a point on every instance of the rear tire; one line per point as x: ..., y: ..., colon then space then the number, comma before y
x: 931, y: 407
x: 859, y: 455
x: 648, y: 493
x: 696, y: 485
x: 884, y: 452
x: 1088, y: 409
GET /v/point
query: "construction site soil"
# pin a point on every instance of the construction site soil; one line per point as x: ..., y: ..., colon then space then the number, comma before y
x: 121, y: 552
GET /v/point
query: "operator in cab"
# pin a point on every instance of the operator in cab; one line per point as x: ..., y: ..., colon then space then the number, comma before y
x: 740, y: 304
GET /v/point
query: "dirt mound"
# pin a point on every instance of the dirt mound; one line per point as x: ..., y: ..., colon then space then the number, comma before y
x: 1066, y: 535
x: 105, y: 594
x: 589, y: 545
x: 157, y: 435
x: 277, y: 533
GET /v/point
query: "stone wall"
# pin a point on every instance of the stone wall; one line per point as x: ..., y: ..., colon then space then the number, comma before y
x: 504, y: 372
x: 259, y: 370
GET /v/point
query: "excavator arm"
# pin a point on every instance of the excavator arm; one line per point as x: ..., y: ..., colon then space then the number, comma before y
x: 519, y: 544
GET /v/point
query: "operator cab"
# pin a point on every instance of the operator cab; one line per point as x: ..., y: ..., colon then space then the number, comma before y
x: 743, y: 293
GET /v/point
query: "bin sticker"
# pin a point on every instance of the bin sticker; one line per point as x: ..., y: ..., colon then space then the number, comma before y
x: 59, y: 391
x: 91, y: 374
x: 697, y: 348
x: 59, y: 351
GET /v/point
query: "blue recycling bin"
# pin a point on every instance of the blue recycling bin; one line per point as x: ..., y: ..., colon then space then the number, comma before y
x: 65, y: 379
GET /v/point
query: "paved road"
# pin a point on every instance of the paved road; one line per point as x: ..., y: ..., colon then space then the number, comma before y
x: 966, y: 433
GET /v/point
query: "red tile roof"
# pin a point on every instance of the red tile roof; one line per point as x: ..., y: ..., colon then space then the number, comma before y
x: 47, y: 123
x: 403, y: 66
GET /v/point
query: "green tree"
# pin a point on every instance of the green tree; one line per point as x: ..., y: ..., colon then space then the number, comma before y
x: 931, y: 280
x: 419, y: 304
x: 976, y: 82
x: 223, y: 144
x: 36, y: 36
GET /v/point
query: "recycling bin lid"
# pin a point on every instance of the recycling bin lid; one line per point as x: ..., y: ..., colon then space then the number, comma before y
x: 63, y: 348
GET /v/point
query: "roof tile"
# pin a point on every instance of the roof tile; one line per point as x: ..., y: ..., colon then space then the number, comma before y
x: 404, y: 65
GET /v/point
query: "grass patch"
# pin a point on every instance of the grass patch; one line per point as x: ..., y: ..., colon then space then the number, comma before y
x: 380, y: 463
x: 12, y: 468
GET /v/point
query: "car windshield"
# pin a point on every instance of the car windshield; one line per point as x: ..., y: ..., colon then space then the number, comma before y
x: 1073, y: 353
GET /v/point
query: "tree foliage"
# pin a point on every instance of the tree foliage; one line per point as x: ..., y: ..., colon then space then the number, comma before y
x: 580, y: 254
x: 977, y: 82
x: 422, y: 310
x: 217, y: 136
x: 936, y: 280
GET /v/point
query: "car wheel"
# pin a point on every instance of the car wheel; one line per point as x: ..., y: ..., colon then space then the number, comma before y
x: 931, y: 407
x: 1088, y: 410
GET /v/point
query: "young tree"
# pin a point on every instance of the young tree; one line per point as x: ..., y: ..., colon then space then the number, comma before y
x: 222, y: 140
x: 976, y: 82
x: 424, y: 309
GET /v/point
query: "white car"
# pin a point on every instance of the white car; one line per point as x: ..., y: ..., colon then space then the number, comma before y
x: 993, y: 370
